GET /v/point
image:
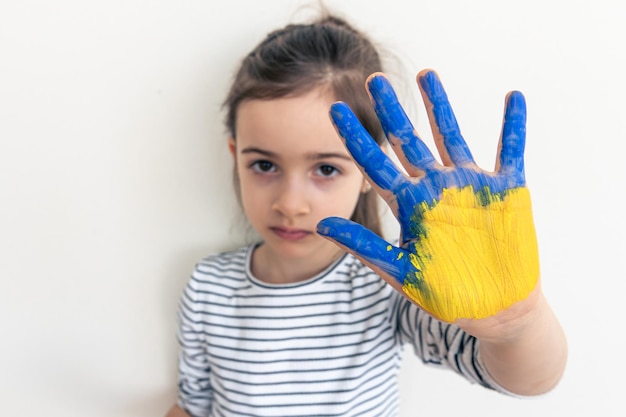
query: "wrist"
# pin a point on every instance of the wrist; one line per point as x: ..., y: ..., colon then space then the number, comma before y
x: 510, y: 325
x: 529, y: 357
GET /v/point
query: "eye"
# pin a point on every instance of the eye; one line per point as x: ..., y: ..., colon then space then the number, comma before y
x: 327, y: 171
x: 263, y: 166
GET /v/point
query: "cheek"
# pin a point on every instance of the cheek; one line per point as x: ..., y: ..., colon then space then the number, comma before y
x: 245, y: 189
x: 344, y: 198
x: 250, y: 195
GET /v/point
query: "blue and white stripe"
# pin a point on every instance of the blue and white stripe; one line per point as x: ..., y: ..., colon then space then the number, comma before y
x: 328, y: 346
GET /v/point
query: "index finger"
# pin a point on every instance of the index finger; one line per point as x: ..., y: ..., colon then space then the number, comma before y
x: 373, y: 162
x: 398, y: 128
x: 446, y: 132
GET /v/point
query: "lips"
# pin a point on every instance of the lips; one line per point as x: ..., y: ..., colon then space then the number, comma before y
x: 290, y: 234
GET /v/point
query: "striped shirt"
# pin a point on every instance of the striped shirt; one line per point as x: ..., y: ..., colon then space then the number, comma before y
x: 328, y: 346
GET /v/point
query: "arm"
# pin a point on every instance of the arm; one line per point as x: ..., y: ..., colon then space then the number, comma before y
x: 468, y: 253
x: 176, y: 411
x: 195, y: 393
x: 532, y: 359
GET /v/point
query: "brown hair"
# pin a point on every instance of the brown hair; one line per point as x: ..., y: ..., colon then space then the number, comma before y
x: 327, y: 53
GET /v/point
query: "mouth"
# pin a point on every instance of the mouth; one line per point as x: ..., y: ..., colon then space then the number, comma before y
x: 290, y: 234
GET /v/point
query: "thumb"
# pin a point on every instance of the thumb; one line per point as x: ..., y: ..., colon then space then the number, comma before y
x: 385, y: 259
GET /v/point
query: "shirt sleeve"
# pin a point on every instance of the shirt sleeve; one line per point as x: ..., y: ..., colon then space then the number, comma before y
x: 442, y: 344
x: 194, y: 388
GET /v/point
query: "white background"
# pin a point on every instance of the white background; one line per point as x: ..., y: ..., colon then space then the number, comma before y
x: 115, y: 179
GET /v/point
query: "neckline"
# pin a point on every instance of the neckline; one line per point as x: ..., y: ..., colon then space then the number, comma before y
x: 257, y: 282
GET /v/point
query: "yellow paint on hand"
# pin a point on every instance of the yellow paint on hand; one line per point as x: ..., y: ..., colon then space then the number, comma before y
x: 474, y: 259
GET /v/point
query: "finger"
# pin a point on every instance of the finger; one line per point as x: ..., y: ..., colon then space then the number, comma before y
x: 450, y: 143
x: 413, y: 152
x: 373, y: 250
x: 510, y: 161
x: 374, y: 163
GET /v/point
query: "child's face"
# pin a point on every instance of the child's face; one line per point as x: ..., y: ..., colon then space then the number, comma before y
x: 293, y: 171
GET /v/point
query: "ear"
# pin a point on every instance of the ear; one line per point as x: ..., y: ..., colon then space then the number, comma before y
x: 232, y: 147
x: 385, y: 147
x: 366, y: 186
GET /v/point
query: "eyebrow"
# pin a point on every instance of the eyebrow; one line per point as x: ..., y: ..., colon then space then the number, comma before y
x: 312, y: 156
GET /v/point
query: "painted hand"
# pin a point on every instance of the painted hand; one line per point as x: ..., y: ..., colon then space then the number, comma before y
x: 467, y: 241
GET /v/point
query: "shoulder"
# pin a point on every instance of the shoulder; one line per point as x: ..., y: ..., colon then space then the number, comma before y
x: 234, y: 260
x: 224, y: 269
x: 365, y: 282
x: 350, y: 264
x: 351, y: 276
x: 349, y: 268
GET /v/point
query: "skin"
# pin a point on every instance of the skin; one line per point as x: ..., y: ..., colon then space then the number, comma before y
x: 468, y: 252
x: 468, y: 247
x: 290, y: 165
x: 176, y: 411
x: 521, y: 341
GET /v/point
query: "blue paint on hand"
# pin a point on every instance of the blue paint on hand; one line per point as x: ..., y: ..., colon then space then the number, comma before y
x: 445, y: 120
x: 396, y: 124
x: 366, y: 243
x: 409, y: 194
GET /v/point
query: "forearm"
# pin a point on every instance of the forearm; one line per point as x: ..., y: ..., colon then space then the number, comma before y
x: 533, y: 361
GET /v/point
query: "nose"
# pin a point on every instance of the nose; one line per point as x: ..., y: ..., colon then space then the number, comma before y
x: 292, y: 199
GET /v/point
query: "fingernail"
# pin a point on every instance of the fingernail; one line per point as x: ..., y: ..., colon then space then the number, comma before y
x: 326, y: 229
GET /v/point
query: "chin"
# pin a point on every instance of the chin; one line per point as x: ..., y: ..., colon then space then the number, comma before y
x: 302, y: 249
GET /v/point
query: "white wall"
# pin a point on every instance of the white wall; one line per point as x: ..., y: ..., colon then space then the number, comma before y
x: 114, y: 180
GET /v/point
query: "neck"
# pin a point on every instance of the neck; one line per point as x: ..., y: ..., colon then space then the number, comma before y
x: 270, y: 267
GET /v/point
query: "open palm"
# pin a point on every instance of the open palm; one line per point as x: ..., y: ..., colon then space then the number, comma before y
x: 467, y: 242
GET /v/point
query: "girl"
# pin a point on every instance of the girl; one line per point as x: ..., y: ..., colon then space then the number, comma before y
x: 304, y: 321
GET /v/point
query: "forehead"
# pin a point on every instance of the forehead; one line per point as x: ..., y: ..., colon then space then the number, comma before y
x: 289, y: 124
